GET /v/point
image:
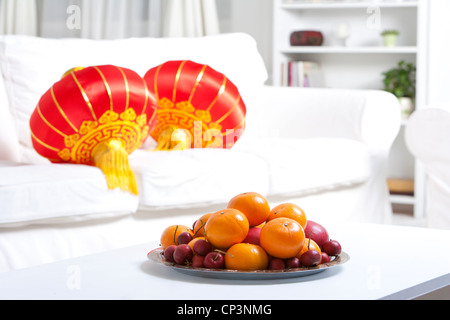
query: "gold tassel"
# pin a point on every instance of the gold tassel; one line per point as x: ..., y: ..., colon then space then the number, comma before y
x: 173, y: 138
x: 71, y: 70
x: 112, y: 158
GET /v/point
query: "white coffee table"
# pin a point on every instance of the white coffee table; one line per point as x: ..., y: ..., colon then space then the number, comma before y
x: 385, y: 262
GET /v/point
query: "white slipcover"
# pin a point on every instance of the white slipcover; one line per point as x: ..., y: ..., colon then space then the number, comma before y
x: 427, y: 136
x: 54, y: 193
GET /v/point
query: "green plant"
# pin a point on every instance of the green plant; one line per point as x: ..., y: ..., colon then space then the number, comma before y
x: 401, y: 81
x: 390, y: 32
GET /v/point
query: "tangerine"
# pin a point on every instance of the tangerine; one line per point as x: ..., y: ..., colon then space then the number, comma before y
x: 289, y: 210
x: 226, y: 227
x: 253, y: 205
x: 282, y: 237
x: 199, y: 225
x: 246, y: 256
x: 170, y: 234
x: 260, y: 225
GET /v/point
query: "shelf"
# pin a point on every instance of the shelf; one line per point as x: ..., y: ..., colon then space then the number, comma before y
x: 401, y: 199
x: 359, y: 50
x: 297, y: 5
x: 401, y: 186
x: 363, y: 59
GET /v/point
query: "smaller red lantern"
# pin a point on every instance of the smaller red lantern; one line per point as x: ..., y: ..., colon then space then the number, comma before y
x: 197, y: 107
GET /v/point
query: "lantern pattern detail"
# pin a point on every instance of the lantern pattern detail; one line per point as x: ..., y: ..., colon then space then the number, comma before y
x: 197, y: 106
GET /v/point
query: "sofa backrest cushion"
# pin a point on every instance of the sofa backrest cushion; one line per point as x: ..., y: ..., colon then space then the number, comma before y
x: 31, y: 65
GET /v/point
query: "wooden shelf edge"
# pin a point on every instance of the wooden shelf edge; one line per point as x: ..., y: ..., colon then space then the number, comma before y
x: 401, y: 186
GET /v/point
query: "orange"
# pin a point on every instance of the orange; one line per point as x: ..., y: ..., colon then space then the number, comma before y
x: 282, y: 237
x: 260, y: 225
x: 226, y: 227
x: 253, y: 205
x: 170, y: 234
x: 191, y: 243
x: 246, y: 256
x: 312, y: 245
x: 288, y: 210
x: 199, y: 225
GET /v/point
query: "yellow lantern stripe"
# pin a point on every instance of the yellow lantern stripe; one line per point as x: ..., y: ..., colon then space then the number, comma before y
x: 61, y: 111
x: 147, y: 94
x: 48, y: 123
x: 154, y: 113
x: 177, y: 77
x: 221, y: 90
x: 108, y: 89
x: 127, y: 88
x: 85, y: 97
x: 197, y: 81
x: 155, y: 82
x: 226, y: 115
x: 43, y: 143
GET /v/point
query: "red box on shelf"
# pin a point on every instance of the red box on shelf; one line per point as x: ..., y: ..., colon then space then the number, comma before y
x: 306, y: 38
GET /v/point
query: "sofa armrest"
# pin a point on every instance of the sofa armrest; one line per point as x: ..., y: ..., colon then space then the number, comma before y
x: 369, y: 116
x: 427, y: 136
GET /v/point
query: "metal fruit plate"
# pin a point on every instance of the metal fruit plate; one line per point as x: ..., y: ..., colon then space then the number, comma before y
x: 156, y: 255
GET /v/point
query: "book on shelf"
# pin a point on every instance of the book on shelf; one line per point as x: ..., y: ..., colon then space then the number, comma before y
x: 302, y: 74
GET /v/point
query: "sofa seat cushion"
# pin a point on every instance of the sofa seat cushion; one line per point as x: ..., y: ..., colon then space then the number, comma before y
x: 196, y: 177
x: 272, y: 167
x: 308, y: 166
x: 54, y: 193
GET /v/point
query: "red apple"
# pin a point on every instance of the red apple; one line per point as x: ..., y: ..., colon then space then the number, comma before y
x: 214, y: 260
x: 253, y: 236
x: 293, y: 262
x: 182, y: 254
x: 168, y: 253
x: 276, y: 264
x: 325, y: 258
x: 197, y: 261
x: 332, y: 247
x: 310, y: 258
x: 202, y: 247
x: 318, y: 233
x: 184, y: 237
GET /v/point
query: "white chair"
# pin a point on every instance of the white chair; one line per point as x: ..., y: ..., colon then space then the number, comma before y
x: 427, y: 136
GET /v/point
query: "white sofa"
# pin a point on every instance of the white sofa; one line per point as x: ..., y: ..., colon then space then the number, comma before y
x: 427, y: 136
x: 324, y: 149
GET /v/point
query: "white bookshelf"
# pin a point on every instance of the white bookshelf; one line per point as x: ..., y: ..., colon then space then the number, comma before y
x: 402, y: 199
x: 361, y: 61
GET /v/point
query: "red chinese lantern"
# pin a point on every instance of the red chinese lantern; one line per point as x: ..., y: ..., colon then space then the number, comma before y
x: 95, y: 116
x: 197, y: 107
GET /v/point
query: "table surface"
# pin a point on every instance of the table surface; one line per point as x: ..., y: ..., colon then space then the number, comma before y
x: 385, y: 262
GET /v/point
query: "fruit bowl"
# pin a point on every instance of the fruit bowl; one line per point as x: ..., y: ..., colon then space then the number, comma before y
x: 156, y: 255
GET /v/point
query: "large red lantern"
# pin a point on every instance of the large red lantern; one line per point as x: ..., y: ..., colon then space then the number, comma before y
x: 95, y: 116
x: 197, y: 107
